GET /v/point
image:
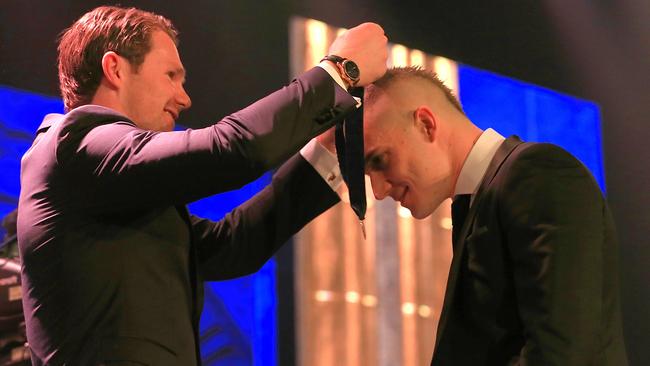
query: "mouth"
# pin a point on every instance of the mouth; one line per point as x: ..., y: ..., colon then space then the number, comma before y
x: 402, y: 197
x: 172, y: 113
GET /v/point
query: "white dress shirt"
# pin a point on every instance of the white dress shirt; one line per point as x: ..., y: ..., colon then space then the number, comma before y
x: 477, y: 162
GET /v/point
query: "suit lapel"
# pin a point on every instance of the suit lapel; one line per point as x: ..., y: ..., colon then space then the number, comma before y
x: 506, y: 148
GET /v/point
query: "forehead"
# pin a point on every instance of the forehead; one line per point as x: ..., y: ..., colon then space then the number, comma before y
x: 381, y: 121
x: 163, y: 51
x: 384, y: 135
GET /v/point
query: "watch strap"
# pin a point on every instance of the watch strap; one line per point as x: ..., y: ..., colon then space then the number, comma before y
x: 340, y: 65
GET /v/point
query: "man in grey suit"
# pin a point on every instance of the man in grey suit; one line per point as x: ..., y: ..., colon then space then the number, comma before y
x: 113, y: 264
x: 534, y: 278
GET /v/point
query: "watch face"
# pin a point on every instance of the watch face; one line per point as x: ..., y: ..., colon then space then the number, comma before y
x: 351, y: 69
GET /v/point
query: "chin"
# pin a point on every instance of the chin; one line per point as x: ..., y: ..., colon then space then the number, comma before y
x: 419, y: 214
x: 164, y: 127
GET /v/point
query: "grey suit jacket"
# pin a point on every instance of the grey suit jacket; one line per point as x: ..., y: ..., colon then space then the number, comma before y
x: 535, y: 278
x: 113, y: 264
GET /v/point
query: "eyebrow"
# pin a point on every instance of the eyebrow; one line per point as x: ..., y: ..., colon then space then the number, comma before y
x: 369, y: 157
x: 182, y: 72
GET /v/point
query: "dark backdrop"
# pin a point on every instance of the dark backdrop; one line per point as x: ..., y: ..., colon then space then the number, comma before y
x: 237, y: 51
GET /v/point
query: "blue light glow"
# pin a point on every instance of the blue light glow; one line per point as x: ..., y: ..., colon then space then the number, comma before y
x: 533, y: 113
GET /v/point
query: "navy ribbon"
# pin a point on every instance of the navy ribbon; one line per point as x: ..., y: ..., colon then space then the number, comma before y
x: 349, y: 150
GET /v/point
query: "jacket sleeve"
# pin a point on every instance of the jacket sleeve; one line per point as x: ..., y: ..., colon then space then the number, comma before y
x: 564, y: 264
x: 248, y: 236
x: 117, y: 166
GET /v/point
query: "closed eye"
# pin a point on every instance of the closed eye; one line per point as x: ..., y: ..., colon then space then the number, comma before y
x: 177, y: 75
x: 377, y: 162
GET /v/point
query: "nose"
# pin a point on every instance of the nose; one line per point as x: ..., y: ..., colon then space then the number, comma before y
x: 380, y: 186
x: 183, y: 99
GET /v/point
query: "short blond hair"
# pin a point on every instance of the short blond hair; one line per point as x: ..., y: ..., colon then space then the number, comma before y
x: 407, y: 73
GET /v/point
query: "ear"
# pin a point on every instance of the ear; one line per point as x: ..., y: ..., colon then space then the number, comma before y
x: 114, y: 70
x: 425, y: 122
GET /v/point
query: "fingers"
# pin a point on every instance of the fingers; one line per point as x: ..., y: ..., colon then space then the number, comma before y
x: 366, y: 45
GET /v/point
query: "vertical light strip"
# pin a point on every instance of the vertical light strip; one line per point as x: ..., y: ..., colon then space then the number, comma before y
x: 389, y: 319
x: 447, y: 71
x: 398, y: 56
x: 408, y: 283
x: 426, y: 238
x: 368, y: 352
x: 441, y: 258
x: 352, y: 337
x: 316, y: 41
x: 418, y: 58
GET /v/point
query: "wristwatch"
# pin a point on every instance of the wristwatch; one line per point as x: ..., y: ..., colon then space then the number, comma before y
x: 348, y: 69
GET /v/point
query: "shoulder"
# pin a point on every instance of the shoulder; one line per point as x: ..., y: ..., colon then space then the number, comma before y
x: 92, y: 116
x: 543, y: 170
x: 542, y: 161
x: 543, y: 155
x: 79, y: 122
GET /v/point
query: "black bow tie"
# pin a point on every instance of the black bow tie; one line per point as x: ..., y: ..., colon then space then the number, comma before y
x: 349, y: 150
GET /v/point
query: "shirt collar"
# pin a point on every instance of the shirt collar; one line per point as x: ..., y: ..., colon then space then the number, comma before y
x: 477, y: 162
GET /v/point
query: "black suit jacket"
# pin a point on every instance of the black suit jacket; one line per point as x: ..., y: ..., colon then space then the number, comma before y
x: 113, y: 264
x: 534, y: 279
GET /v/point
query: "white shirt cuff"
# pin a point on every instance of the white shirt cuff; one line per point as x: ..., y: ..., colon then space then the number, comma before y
x: 325, y: 163
x: 334, y: 73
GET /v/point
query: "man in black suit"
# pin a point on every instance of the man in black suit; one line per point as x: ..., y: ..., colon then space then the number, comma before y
x: 534, y: 278
x: 113, y: 264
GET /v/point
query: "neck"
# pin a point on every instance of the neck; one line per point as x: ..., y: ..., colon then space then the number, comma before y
x: 107, y: 97
x: 462, y: 140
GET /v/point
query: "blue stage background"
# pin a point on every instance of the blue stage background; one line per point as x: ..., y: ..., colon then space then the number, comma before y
x: 534, y: 113
x: 239, y: 322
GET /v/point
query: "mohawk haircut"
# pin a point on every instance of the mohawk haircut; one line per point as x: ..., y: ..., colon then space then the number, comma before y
x: 396, y: 74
